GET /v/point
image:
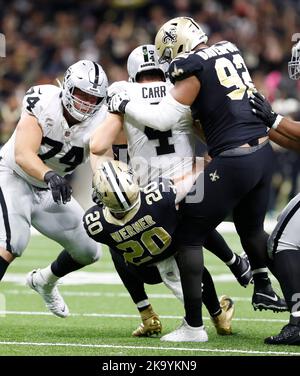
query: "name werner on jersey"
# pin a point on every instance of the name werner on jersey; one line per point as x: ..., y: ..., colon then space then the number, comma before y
x: 130, y: 230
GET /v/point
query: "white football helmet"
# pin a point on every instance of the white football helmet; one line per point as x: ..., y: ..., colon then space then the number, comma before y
x: 179, y: 35
x: 294, y: 63
x: 88, y: 77
x: 141, y: 59
x: 116, y: 187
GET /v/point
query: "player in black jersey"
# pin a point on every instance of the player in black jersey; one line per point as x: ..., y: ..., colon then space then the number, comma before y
x: 215, y: 84
x: 139, y: 226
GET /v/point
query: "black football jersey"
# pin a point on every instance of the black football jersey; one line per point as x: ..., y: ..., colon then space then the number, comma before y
x: 222, y: 105
x: 147, y: 236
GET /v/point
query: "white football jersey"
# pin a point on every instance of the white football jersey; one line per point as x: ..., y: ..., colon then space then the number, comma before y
x: 63, y: 148
x: 166, y: 153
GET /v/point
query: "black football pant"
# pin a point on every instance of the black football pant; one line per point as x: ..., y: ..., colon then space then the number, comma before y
x: 233, y: 184
x: 286, y: 266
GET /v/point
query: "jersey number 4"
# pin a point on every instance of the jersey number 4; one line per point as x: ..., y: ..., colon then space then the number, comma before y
x: 163, y: 139
x: 234, y: 74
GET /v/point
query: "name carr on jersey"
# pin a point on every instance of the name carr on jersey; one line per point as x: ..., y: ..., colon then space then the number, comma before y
x: 154, y: 92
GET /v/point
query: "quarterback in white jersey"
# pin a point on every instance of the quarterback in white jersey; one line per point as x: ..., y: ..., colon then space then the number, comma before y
x: 151, y: 152
x: 51, y: 139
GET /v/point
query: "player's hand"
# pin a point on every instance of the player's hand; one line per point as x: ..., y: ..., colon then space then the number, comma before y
x: 150, y: 325
x: 117, y: 102
x: 263, y: 109
x: 60, y: 187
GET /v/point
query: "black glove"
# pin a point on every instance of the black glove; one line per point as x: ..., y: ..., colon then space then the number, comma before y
x: 96, y: 199
x: 60, y: 187
x: 118, y: 102
x: 263, y: 109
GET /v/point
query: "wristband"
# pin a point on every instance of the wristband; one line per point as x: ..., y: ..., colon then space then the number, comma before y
x: 277, y: 121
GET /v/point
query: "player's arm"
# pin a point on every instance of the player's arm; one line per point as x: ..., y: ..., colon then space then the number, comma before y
x: 284, y: 141
x: 106, y: 134
x: 28, y: 141
x: 174, y: 106
x: 282, y: 125
x: 289, y: 128
x: 97, y: 160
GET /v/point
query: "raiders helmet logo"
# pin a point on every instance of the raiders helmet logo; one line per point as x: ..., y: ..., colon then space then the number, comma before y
x: 170, y: 36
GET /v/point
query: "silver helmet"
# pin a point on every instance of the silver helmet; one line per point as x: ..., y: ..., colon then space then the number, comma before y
x: 294, y: 63
x: 179, y: 35
x: 115, y: 185
x: 141, y: 59
x: 90, y: 78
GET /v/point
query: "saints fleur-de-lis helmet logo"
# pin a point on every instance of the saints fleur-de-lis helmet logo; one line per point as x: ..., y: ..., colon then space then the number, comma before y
x: 170, y: 36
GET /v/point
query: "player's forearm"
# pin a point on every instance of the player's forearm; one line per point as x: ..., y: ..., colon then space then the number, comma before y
x: 31, y: 164
x: 162, y: 116
x: 284, y: 141
x: 96, y: 160
x: 289, y: 128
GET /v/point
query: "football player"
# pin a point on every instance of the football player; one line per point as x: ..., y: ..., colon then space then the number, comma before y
x: 139, y: 225
x: 151, y: 148
x: 214, y: 83
x: 51, y: 139
x: 153, y: 153
x: 284, y: 242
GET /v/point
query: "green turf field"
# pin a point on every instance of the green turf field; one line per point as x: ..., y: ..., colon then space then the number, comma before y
x: 103, y: 316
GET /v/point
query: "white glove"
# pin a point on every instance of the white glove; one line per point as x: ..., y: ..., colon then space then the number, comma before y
x: 118, y: 102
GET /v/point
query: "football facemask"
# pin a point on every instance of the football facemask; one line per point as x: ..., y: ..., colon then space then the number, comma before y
x: 294, y: 63
x: 116, y: 187
x: 88, y: 77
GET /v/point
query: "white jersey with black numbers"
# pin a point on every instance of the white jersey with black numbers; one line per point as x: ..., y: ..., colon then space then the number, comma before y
x: 153, y: 151
x: 63, y: 148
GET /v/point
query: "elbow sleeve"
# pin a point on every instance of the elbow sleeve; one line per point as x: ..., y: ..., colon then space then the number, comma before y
x: 161, y: 116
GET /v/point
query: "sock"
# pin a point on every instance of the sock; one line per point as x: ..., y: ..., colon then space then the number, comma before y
x: 64, y: 264
x: 209, y: 294
x: 260, y: 278
x: 142, y: 305
x: 215, y: 314
x: 216, y: 244
x: 232, y: 261
x: 48, y: 275
x: 3, y: 266
x: 190, y: 264
x: 295, y: 318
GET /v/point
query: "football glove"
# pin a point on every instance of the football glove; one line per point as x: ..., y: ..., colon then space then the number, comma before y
x: 150, y: 325
x: 117, y: 102
x: 263, y: 109
x: 60, y: 187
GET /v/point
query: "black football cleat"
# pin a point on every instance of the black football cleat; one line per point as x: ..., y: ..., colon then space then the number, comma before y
x: 241, y: 270
x: 289, y: 335
x: 266, y: 299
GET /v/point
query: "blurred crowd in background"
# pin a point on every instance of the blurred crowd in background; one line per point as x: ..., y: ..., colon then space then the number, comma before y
x: 44, y: 37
